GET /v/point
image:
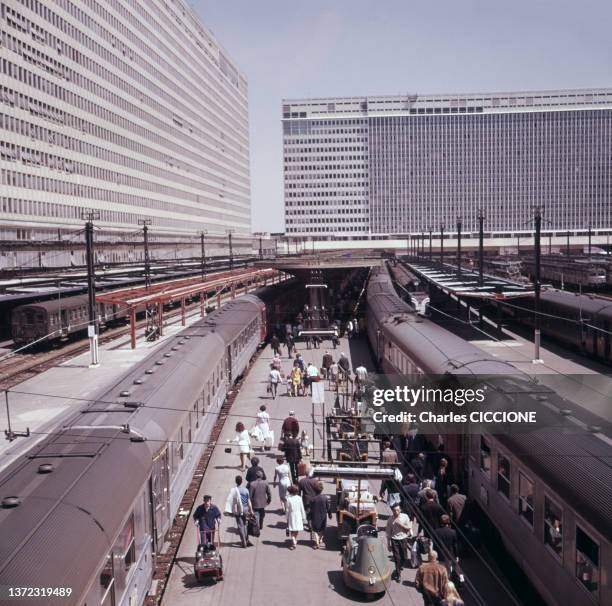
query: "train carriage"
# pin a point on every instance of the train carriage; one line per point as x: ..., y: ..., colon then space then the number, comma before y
x: 59, y: 318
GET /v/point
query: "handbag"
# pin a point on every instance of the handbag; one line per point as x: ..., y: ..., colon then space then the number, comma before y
x: 229, y: 502
x: 252, y: 525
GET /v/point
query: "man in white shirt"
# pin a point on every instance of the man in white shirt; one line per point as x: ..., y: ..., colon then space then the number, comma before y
x: 312, y: 372
x: 399, y: 530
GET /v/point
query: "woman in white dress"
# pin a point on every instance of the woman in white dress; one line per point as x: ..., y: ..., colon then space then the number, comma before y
x: 296, y: 516
x: 244, y: 444
x: 282, y: 477
x: 262, y: 424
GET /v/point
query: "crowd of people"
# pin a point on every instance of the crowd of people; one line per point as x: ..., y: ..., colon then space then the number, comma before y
x: 302, y: 375
x: 425, y: 505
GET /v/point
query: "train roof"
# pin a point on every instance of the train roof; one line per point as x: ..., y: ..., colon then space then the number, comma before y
x: 96, y: 477
x: 54, y: 305
x: 588, y: 304
x: 439, y: 350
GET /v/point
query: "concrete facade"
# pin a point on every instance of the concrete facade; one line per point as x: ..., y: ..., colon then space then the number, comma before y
x: 404, y: 164
x: 127, y: 107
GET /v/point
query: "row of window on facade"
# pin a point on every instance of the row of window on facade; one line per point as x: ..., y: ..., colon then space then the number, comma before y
x: 68, y: 188
x: 60, y: 137
x: 149, y: 61
x: 38, y: 208
x: 35, y: 157
x: 326, y: 230
x: 587, y: 549
x: 83, y: 104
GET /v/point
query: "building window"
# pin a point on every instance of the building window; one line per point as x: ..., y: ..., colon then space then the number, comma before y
x: 526, y: 498
x: 503, y: 475
x: 553, y: 526
x: 587, y: 560
x: 485, y: 456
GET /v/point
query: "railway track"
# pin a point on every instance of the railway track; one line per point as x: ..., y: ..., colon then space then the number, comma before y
x: 21, y: 367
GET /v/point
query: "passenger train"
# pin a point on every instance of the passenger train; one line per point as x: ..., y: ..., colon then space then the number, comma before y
x: 581, y: 322
x: 59, y: 318
x: 548, y: 491
x: 88, y: 507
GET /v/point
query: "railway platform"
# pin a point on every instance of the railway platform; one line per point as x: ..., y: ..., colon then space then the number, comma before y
x: 586, y: 383
x: 268, y: 572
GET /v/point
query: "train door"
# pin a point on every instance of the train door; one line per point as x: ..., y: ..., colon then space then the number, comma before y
x: 230, y: 378
x: 64, y: 319
x: 160, y: 498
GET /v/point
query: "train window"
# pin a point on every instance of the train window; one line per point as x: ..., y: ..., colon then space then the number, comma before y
x: 125, y: 548
x: 503, y: 475
x: 553, y: 526
x: 526, y: 498
x: 485, y: 456
x: 107, y: 582
x: 199, y: 403
x: 587, y: 560
x: 180, y: 449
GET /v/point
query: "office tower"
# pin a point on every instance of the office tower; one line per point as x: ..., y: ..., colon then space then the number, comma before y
x: 361, y: 167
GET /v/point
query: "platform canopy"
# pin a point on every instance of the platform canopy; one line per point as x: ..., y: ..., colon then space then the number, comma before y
x: 466, y: 284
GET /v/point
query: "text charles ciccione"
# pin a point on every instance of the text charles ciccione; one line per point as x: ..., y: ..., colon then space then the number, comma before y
x: 412, y: 396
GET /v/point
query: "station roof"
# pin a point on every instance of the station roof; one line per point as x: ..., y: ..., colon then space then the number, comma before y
x: 173, y: 290
x: 334, y: 259
x: 466, y: 285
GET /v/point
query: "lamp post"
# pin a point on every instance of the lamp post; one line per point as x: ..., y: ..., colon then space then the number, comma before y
x: 203, y: 254
x: 430, y: 257
x: 459, y: 225
x: 147, y: 261
x: 231, y: 250
x: 92, y: 329
x: 537, y: 286
x: 442, y: 245
x: 481, y: 219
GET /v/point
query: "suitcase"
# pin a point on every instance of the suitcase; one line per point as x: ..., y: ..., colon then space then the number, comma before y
x: 302, y: 468
x: 414, y: 555
x: 269, y: 441
x: 252, y: 526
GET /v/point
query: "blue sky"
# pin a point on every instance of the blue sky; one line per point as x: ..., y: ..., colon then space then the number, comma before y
x: 352, y: 48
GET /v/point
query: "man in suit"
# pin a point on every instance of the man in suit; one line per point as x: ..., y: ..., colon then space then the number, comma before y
x: 251, y: 474
x: 293, y: 454
x: 445, y: 538
x: 260, y: 494
x: 456, y: 504
x: 432, y: 511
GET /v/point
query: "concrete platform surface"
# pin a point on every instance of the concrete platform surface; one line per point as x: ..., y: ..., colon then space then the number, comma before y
x: 268, y: 573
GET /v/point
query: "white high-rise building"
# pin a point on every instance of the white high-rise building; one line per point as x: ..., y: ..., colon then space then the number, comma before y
x: 362, y: 167
x: 126, y: 107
